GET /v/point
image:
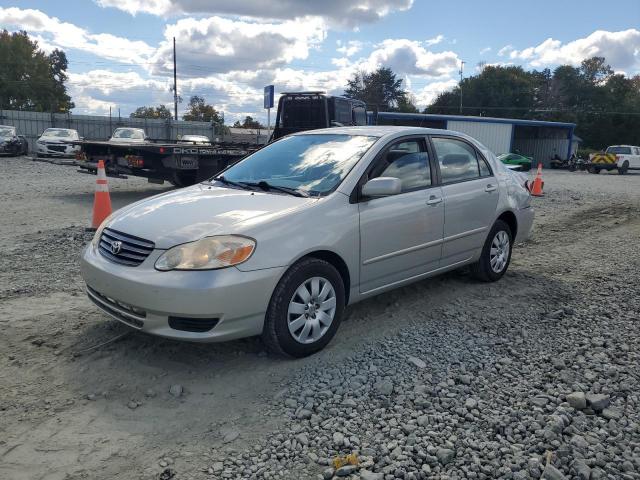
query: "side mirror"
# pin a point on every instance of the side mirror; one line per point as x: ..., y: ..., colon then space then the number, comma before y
x: 382, y: 187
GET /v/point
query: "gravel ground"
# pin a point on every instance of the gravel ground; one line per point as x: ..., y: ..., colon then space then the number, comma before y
x: 533, y: 377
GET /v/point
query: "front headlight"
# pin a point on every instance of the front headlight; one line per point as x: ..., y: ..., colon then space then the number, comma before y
x: 96, y: 238
x: 208, y: 253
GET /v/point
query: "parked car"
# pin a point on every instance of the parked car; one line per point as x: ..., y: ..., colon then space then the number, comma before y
x: 11, y: 143
x: 57, y: 142
x: 517, y: 161
x: 128, y: 135
x: 195, y: 139
x: 617, y: 157
x: 279, y: 243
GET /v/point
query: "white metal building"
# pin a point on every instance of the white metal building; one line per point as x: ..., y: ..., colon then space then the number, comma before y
x: 538, y: 139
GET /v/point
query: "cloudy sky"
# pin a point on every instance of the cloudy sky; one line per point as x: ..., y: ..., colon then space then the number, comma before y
x: 120, y: 51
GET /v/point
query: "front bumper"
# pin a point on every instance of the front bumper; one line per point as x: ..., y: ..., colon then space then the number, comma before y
x: 57, y: 149
x: 150, y: 301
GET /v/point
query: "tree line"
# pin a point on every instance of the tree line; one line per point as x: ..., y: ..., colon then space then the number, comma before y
x: 605, y: 105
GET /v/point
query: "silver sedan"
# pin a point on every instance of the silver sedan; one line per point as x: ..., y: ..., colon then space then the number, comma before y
x: 280, y: 243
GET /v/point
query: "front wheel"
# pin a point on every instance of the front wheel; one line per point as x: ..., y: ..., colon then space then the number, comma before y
x: 496, y: 254
x: 305, y: 309
x: 624, y: 168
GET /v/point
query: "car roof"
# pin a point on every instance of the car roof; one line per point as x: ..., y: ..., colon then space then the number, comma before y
x: 380, y: 131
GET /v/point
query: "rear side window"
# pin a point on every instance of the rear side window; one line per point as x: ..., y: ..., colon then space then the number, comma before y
x: 619, y: 150
x: 407, y: 161
x: 458, y: 160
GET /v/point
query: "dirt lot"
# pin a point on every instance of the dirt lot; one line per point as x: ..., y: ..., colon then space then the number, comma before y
x: 564, y: 319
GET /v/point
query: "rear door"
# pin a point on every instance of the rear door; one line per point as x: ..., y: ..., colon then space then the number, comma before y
x: 401, y: 235
x: 470, y: 192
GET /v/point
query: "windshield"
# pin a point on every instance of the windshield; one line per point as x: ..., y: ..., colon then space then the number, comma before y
x: 128, y: 133
x: 619, y: 150
x: 7, y: 131
x: 59, y: 133
x: 315, y: 164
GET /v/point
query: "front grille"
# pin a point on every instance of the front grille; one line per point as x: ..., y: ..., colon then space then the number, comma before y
x: 128, y: 314
x: 197, y: 325
x: 57, y: 148
x: 130, y: 250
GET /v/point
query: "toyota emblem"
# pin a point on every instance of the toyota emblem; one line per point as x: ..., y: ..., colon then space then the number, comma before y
x: 116, y: 246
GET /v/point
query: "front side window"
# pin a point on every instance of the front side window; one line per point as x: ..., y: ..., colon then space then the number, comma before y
x: 314, y: 164
x: 407, y: 161
x: 458, y: 160
x: 619, y: 150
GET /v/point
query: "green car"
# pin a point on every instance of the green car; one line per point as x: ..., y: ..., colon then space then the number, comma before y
x: 515, y: 161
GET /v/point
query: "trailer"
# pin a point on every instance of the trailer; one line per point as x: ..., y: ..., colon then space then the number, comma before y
x: 181, y: 164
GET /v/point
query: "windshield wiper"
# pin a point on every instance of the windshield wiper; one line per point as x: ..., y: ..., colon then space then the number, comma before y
x: 242, y: 185
x: 267, y: 186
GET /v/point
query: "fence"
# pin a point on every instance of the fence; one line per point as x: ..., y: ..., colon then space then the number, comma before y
x: 93, y: 127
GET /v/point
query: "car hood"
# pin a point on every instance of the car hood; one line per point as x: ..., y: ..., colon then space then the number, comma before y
x: 55, y: 140
x: 192, y: 213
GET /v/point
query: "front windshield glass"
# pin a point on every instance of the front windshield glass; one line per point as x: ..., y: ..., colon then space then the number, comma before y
x: 7, y: 131
x: 128, y: 133
x: 315, y: 164
x: 59, y: 133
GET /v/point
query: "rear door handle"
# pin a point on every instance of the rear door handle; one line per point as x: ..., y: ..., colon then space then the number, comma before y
x: 433, y: 200
x: 490, y: 188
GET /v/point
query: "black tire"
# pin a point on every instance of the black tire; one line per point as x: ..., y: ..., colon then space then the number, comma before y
x: 482, y: 268
x: 183, y: 178
x: 275, y: 335
x: 572, y: 168
x: 594, y: 170
x: 624, y: 169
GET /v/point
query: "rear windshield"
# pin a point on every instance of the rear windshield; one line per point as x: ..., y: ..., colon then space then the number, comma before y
x: 619, y: 150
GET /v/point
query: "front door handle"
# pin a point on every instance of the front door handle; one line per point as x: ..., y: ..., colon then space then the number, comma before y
x: 490, y: 188
x: 433, y: 200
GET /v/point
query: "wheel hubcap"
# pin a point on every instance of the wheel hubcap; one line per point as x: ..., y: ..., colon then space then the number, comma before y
x: 311, y: 310
x: 499, y: 254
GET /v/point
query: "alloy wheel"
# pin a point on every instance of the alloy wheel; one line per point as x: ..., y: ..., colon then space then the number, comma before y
x: 311, y: 310
x: 499, y: 253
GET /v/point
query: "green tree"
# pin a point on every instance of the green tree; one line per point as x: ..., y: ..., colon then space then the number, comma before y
x: 200, y: 111
x: 379, y: 89
x: 161, y: 111
x: 29, y: 78
x: 496, y: 91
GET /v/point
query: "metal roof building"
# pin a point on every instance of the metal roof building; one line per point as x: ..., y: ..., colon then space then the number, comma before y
x: 538, y: 139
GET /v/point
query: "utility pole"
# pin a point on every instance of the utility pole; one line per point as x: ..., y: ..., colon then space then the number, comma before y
x: 175, y: 81
x: 462, y: 62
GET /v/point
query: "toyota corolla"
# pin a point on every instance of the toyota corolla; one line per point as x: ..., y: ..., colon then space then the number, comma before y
x: 280, y: 243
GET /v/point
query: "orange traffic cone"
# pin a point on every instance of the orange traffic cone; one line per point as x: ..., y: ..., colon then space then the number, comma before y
x: 536, y: 188
x: 101, y: 201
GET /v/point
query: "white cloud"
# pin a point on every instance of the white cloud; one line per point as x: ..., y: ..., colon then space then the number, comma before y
x: 621, y: 50
x: 219, y: 45
x: 53, y: 33
x: 410, y: 57
x: 506, y: 50
x: 426, y: 95
x: 344, y: 12
x: 349, y: 48
x: 485, y: 50
x: 434, y: 41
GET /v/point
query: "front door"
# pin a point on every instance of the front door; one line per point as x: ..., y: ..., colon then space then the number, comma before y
x: 470, y: 192
x: 401, y: 235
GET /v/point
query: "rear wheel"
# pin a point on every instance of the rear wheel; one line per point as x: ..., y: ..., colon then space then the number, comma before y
x: 496, y: 254
x: 305, y: 309
x: 593, y: 169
